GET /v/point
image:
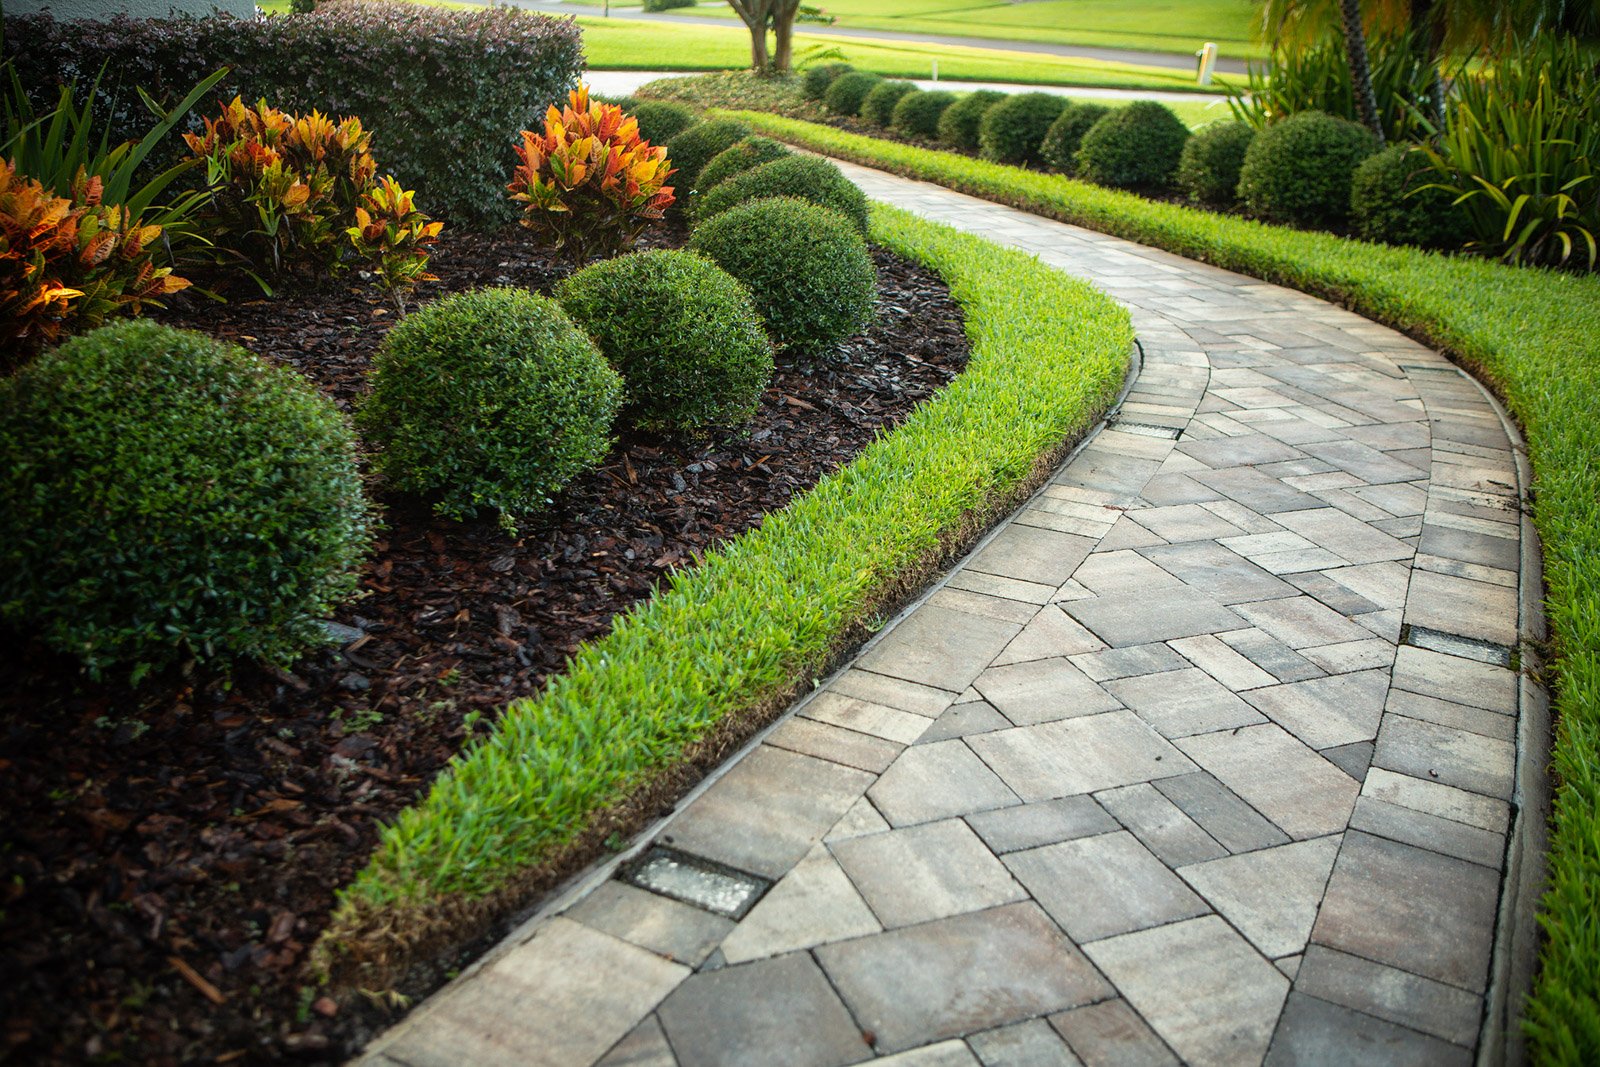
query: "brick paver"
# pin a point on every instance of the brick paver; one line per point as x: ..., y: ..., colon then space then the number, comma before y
x: 1206, y: 756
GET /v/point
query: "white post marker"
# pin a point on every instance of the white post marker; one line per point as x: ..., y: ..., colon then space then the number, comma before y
x: 935, y: 70
x: 1208, y: 62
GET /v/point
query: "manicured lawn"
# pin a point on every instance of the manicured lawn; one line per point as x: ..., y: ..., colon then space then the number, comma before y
x: 754, y: 622
x: 1535, y: 336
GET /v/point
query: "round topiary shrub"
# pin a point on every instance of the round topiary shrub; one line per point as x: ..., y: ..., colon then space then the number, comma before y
x: 750, y: 152
x: 959, y: 125
x: 806, y: 267
x: 490, y: 399
x: 1299, y: 170
x: 1389, y: 201
x: 1133, y: 147
x: 1208, y: 168
x: 681, y: 331
x: 169, y: 496
x: 661, y: 120
x: 700, y: 144
x: 1059, y: 150
x: 917, y: 114
x: 1013, y: 130
x: 802, y: 177
x: 814, y: 83
x: 878, y: 105
x: 849, y: 91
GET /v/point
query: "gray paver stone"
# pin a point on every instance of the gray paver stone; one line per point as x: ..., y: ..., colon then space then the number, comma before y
x: 1100, y: 886
x: 935, y: 646
x: 1029, y: 1044
x: 1407, y: 999
x: 1300, y: 792
x: 1085, y: 755
x: 926, y: 872
x: 1315, y: 1033
x: 1160, y: 825
x: 1111, y: 1034
x: 1230, y: 821
x: 1183, y: 702
x: 813, y: 904
x: 646, y: 1046
x: 1041, y: 823
x: 1324, y: 712
x: 1138, y: 619
x: 1270, y: 896
x: 662, y: 925
x: 1042, y: 690
x: 936, y: 781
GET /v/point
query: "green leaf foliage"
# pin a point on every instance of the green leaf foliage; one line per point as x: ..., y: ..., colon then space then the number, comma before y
x: 748, y: 152
x: 879, y: 104
x: 1133, y: 147
x: 849, y: 91
x: 683, y: 334
x: 801, y: 177
x: 700, y: 144
x: 917, y: 114
x: 170, y: 497
x: 661, y: 120
x: 960, y: 123
x: 814, y: 83
x: 1392, y: 200
x: 1299, y: 170
x: 1208, y: 169
x: 806, y: 266
x: 490, y: 400
x: 1059, y: 150
x: 1013, y: 130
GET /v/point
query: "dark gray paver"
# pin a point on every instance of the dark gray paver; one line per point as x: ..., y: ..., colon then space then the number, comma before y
x: 1027, y: 1044
x: 1315, y: 1033
x: 1041, y: 823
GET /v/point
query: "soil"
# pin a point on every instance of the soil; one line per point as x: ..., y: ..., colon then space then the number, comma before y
x: 169, y: 854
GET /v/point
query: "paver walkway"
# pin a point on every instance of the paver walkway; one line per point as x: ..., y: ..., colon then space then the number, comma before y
x: 1209, y: 754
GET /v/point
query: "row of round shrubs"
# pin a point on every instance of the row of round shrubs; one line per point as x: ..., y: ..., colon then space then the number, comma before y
x: 1310, y: 169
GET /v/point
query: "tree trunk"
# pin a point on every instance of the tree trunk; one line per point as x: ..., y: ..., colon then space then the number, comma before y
x: 1427, y: 30
x: 1355, y: 46
x: 756, y: 14
x: 758, y: 49
x: 783, y: 52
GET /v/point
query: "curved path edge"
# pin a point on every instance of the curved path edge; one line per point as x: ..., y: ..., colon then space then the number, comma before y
x: 1225, y: 748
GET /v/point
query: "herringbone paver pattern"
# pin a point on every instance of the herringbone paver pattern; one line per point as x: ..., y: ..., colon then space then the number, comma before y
x: 1205, y: 756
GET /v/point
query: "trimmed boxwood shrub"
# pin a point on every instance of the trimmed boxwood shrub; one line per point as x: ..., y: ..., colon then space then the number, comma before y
x: 444, y: 92
x: 667, y: 5
x: 959, y: 125
x: 1208, y: 169
x: 692, y: 149
x: 169, y: 496
x: 490, y: 399
x: 806, y: 266
x: 1389, y: 201
x: 1133, y: 147
x: 814, y: 83
x: 1059, y: 149
x: 681, y: 331
x: 661, y: 120
x: 1013, y: 130
x: 802, y: 177
x: 849, y: 91
x: 917, y: 114
x: 749, y: 152
x: 1299, y: 170
x: 878, y: 105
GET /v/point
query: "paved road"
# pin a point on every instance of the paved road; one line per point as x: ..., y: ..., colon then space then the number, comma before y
x: 1208, y: 754
x: 1110, y: 55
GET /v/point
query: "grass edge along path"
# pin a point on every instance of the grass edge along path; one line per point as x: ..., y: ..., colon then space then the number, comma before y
x: 1534, y: 336
x: 737, y: 636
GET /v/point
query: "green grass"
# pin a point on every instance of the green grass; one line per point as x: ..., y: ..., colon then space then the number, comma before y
x: 1535, y: 336
x: 1180, y: 26
x: 622, y: 44
x: 758, y: 618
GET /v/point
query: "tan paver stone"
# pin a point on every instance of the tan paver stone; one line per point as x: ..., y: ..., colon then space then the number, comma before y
x: 1143, y: 618
x: 1050, y: 633
x: 970, y: 717
x: 1460, y: 606
x: 1084, y: 755
x: 1270, y: 896
x: 519, y: 1010
x: 1160, y: 825
x: 1383, y: 584
x: 1454, y: 757
x: 645, y: 1046
x: 862, y: 818
x: 1183, y: 702
x: 1410, y: 827
x: 1435, y: 798
x: 960, y: 975
x: 1042, y: 690
x: 944, y: 1054
x: 780, y: 1012
x: 990, y: 607
x: 1301, y: 622
x: 1154, y: 658
x: 1222, y: 575
x: 1099, y: 886
x: 1201, y: 986
x: 1111, y: 1034
x: 1455, y: 678
x: 1456, y: 716
x: 938, y: 647
x: 811, y: 905
x: 936, y: 781
x: 1029, y: 1044
x: 1299, y: 791
x: 1260, y: 493
x: 1325, y: 712
x: 764, y: 815
x: 1123, y: 571
x: 664, y: 926
x: 925, y: 700
x: 1184, y: 522
x: 864, y: 716
x: 926, y: 872
x: 1352, y: 656
x: 997, y: 586
x: 1223, y: 663
x: 1032, y: 554
x: 835, y: 744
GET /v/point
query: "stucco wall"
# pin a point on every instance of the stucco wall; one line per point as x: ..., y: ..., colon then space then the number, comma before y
x: 89, y: 9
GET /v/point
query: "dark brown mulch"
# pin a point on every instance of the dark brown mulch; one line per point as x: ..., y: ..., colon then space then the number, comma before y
x: 168, y: 855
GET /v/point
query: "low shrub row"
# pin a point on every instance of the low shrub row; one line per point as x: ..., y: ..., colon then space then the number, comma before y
x: 1533, y: 335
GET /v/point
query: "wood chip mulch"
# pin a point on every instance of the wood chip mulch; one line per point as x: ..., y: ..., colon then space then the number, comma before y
x: 168, y: 855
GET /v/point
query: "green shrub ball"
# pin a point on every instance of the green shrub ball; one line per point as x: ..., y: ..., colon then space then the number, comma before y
x: 1299, y: 170
x: 490, y: 400
x: 960, y: 123
x: 814, y: 82
x: 879, y: 104
x: 683, y: 334
x: 917, y: 114
x: 1208, y: 169
x: 661, y: 120
x: 748, y: 153
x: 806, y: 266
x: 1059, y: 150
x: 801, y: 177
x: 849, y: 91
x: 1389, y: 202
x: 171, y: 497
x: 692, y: 149
x: 1133, y: 147
x: 1013, y: 130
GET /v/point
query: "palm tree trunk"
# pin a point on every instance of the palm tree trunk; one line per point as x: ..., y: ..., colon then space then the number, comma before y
x: 1355, y: 46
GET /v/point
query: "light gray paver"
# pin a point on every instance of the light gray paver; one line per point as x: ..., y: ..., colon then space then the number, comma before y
x: 1153, y: 710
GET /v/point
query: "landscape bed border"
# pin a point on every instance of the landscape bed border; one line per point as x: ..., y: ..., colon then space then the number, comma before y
x: 685, y: 678
x: 1533, y: 336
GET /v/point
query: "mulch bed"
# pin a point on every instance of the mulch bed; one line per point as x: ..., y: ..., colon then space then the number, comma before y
x: 169, y: 855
